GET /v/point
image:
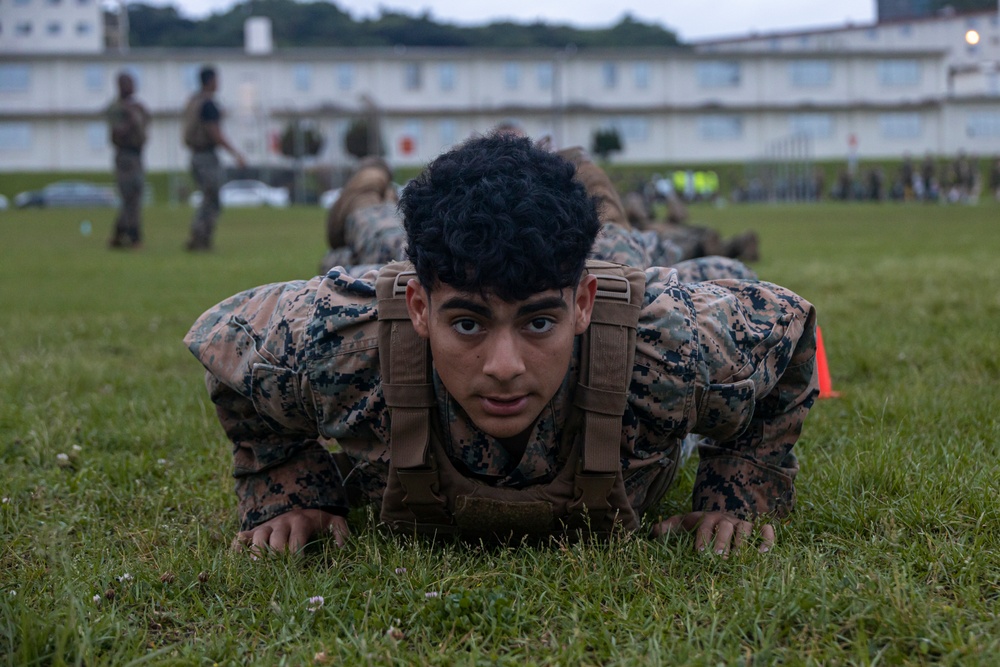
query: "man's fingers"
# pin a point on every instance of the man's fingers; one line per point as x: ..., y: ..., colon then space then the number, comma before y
x: 261, y: 537
x: 766, y: 538
x: 241, y: 540
x: 278, y: 541
x: 703, y: 534
x: 724, y: 531
x: 338, y: 528
x: 741, y: 531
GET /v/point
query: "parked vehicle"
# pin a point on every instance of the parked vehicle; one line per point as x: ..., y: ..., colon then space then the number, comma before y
x: 246, y: 193
x: 69, y: 194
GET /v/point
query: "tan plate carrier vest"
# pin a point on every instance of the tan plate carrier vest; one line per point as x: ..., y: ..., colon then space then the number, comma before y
x: 425, y: 493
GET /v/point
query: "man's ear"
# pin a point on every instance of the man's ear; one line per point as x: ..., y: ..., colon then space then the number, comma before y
x: 586, y: 292
x: 418, y: 305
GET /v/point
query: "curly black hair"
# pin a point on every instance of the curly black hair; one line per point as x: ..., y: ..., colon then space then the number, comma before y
x: 497, y: 215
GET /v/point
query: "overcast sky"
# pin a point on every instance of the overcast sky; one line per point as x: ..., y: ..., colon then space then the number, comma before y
x: 690, y: 19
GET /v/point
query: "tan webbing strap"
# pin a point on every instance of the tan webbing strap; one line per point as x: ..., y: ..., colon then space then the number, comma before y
x: 406, y: 370
x: 608, y: 350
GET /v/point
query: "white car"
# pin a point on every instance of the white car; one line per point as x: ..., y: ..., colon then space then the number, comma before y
x: 246, y: 192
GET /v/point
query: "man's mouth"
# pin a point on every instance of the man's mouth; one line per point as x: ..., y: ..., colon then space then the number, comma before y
x: 503, y: 406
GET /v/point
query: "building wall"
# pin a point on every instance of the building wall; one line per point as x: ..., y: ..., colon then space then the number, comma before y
x: 668, y: 105
x: 51, y: 26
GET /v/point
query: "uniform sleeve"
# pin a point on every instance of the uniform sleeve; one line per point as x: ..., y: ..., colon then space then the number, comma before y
x: 251, y: 346
x: 757, y: 350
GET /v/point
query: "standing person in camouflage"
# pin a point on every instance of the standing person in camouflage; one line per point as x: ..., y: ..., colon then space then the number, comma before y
x: 203, y: 134
x: 128, y: 123
x: 499, y: 393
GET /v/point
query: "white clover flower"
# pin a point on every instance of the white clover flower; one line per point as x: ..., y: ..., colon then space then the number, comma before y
x: 162, y: 462
x: 6, y: 500
x: 431, y: 594
x: 316, y: 603
x: 400, y: 570
x: 124, y: 577
x: 97, y: 599
x: 77, y: 448
x: 13, y: 594
x: 62, y: 457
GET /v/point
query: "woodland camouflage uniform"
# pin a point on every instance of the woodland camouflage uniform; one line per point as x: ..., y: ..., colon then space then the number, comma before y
x: 128, y: 121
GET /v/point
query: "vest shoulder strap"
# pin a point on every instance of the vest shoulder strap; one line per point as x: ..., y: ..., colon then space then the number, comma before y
x: 405, y: 363
x: 606, y: 357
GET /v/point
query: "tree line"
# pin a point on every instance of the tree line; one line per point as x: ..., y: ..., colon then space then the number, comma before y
x: 325, y: 24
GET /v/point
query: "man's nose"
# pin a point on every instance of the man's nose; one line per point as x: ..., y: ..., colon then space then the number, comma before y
x: 503, y: 357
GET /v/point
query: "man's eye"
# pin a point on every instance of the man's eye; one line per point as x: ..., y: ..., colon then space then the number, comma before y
x: 540, y: 325
x: 466, y: 326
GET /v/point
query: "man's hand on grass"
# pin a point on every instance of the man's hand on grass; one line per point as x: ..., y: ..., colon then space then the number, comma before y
x: 292, y: 531
x: 719, y: 531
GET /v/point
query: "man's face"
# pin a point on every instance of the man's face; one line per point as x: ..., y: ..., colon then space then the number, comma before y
x: 502, y: 361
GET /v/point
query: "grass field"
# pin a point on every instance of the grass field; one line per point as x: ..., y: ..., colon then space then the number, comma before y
x: 117, y: 507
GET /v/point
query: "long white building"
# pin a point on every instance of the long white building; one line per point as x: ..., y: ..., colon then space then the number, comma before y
x: 879, y: 90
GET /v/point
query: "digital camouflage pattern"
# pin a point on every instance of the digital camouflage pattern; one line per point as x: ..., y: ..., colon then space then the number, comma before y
x: 293, y: 370
x: 375, y: 236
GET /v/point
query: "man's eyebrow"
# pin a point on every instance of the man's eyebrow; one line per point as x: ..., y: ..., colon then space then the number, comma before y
x: 548, y: 303
x: 460, y: 303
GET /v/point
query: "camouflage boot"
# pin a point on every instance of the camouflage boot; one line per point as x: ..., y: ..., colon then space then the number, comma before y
x: 598, y: 185
x: 371, y: 184
x: 636, y: 211
x: 744, y: 247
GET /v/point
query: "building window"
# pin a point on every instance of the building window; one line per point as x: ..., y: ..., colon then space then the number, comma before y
x: 93, y: 78
x: 446, y: 76
x: 900, y: 125
x: 14, y: 78
x: 15, y: 136
x: 813, y: 125
x: 23, y: 29
x: 810, y: 73
x: 447, y: 132
x: 411, y: 76
x: 718, y: 74
x: 84, y: 28
x: 629, y: 128
x: 345, y: 76
x: 720, y: 127
x: 190, y: 77
x: 302, y: 76
x: 97, y: 136
x: 642, y: 73
x: 899, y: 72
x: 544, y: 73
x: 53, y: 28
x: 982, y: 124
x: 511, y: 76
x: 609, y: 75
